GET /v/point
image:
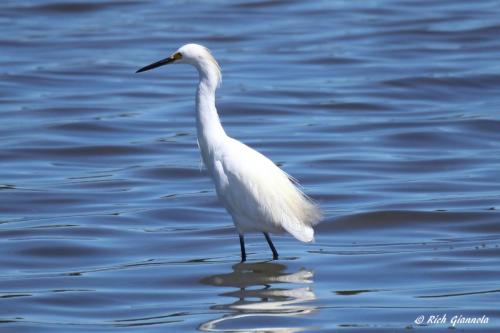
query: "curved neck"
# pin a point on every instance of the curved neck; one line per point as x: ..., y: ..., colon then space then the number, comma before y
x: 209, y: 128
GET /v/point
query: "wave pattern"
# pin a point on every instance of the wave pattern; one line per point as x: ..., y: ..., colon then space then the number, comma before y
x: 387, y: 112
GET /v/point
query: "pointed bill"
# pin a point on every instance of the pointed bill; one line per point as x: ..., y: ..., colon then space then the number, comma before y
x: 172, y: 58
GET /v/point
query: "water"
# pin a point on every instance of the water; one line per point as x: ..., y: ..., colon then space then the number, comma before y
x: 386, y: 111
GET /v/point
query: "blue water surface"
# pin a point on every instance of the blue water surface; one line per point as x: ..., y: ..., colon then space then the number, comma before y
x: 386, y: 111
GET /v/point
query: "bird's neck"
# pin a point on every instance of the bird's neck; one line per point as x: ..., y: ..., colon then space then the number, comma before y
x: 208, y: 125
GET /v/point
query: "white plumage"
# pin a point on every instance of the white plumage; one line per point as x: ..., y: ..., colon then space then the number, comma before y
x: 259, y: 196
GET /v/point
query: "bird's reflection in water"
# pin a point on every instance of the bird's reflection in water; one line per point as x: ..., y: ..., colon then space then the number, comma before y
x: 264, y: 291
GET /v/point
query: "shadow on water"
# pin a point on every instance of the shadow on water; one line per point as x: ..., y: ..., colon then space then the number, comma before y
x: 264, y: 294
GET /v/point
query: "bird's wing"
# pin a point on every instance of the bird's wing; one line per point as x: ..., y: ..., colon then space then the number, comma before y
x: 254, y: 187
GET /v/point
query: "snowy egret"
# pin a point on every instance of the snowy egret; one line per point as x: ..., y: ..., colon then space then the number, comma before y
x: 258, y: 195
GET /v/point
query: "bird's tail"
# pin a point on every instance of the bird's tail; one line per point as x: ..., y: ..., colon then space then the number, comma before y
x: 305, y: 215
x: 301, y: 231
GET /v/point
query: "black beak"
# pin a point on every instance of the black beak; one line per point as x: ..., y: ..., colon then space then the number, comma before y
x: 157, y: 64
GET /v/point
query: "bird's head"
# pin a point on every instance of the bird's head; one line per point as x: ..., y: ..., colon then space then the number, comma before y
x: 193, y: 54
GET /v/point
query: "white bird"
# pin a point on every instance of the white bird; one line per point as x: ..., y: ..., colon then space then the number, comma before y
x: 258, y: 195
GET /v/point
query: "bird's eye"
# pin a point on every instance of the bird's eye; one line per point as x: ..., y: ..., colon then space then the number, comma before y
x: 177, y: 56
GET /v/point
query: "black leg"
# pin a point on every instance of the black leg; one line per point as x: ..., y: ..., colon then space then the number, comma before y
x: 242, y: 246
x: 271, y: 245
